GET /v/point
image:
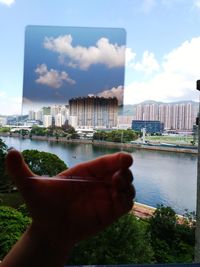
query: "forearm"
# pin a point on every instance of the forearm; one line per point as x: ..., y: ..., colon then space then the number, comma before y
x: 35, y: 250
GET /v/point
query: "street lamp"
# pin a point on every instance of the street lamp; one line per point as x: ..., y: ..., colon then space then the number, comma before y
x: 197, y: 232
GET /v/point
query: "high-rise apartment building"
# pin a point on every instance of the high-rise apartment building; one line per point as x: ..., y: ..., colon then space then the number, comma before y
x: 39, y: 115
x: 60, y: 114
x: 46, y: 110
x: 31, y: 115
x: 47, y: 120
x: 175, y: 116
x: 59, y: 120
x: 94, y: 112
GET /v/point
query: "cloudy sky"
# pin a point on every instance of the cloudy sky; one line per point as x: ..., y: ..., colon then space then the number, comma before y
x: 66, y: 62
x: 162, y: 55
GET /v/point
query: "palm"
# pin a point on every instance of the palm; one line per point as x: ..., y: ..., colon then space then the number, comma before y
x: 76, y: 210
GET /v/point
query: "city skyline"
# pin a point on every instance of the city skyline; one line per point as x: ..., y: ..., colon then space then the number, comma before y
x: 174, y: 116
x: 162, y: 59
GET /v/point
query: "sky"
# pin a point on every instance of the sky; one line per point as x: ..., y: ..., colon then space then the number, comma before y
x: 162, y: 53
x: 61, y: 63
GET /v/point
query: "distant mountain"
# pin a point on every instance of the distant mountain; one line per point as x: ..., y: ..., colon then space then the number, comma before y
x: 146, y: 102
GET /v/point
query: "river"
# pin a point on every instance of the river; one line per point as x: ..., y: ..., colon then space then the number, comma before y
x: 166, y: 178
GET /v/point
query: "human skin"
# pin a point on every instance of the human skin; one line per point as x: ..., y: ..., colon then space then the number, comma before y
x: 65, y: 212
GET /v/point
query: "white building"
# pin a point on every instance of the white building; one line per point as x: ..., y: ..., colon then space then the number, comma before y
x: 31, y: 115
x: 73, y: 121
x: 39, y: 115
x: 47, y: 120
x: 59, y: 120
x: 3, y: 121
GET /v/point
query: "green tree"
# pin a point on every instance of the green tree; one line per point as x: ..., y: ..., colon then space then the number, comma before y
x: 24, y: 132
x: 4, y: 129
x: 116, y: 135
x: 172, y: 242
x: 6, y: 184
x: 41, y: 131
x: 124, y: 242
x: 3, y: 151
x: 100, y: 136
x: 12, y: 225
x: 43, y: 163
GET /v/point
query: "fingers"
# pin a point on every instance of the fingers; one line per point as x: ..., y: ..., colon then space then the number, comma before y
x: 17, y: 168
x: 102, y: 166
x: 124, y: 192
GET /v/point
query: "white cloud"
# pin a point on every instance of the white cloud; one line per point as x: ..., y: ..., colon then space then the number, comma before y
x: 2, y: 93
x: 52, y: 78
x: 103, y: 52
x: 130, y: 56
x: 185, y: 59
x: 176, y: 79
x: 7, y: 2
x: 117, y: 92
x: 196, y: 3
x: 9, y: 105
x: 148, y: 63
x: 27, y: 101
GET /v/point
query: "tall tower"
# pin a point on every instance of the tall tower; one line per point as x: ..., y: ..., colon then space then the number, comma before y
x: 94, y: 112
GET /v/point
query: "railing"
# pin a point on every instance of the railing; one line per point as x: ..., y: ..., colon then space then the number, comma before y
x: 143, y: 265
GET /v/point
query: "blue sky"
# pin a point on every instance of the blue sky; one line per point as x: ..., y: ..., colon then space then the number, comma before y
x: 163, y: 43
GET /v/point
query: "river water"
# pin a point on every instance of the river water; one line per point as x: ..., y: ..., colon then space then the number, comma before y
x: 166, y: 178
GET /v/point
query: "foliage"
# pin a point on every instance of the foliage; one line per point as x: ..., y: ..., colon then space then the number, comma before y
x: 124, y: 242
x: 24, y: 132
x: 24, y: 210
x: 41, y: 131
x: 116, y: 136
x: 43, y: 163
x: 6, y: 184
x: 54, y: 131
x: 12, y: 225
x: 13, y: 199
x: 171, y: 241
x: 4, y: 129
x: 3, y: 150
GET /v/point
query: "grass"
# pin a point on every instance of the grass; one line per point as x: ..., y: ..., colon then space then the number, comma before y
x: 171, y: 139
x: 11, y: 199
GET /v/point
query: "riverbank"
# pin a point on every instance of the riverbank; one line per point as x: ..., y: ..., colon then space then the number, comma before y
x: 143, y: 211
x: 121, y: 146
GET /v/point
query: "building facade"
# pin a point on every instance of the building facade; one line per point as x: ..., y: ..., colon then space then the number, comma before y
x: 94, y: 112
x: 150, y: 126
x: 175, y: 116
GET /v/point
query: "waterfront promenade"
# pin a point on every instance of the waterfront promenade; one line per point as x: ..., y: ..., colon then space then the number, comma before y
x: 122, y: 145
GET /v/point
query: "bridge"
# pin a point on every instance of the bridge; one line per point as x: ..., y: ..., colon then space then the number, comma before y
x: 19, y: 127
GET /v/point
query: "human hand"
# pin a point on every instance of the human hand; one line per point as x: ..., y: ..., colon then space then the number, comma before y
x: 65, y: 212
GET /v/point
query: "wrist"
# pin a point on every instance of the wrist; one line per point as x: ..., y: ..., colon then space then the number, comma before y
x: 49, y: 245
x: 36, y: 249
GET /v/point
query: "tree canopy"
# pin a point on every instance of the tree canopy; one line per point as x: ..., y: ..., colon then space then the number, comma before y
x: 12, y: 224
x: 6, y: 184
x: 119, y: 136
x: 43, y: 163
x: 171, y: 241
x: 124, y: 242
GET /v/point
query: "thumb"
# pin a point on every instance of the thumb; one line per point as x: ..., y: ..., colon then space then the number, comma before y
x: 126, y: 160
x: 17, y: 168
